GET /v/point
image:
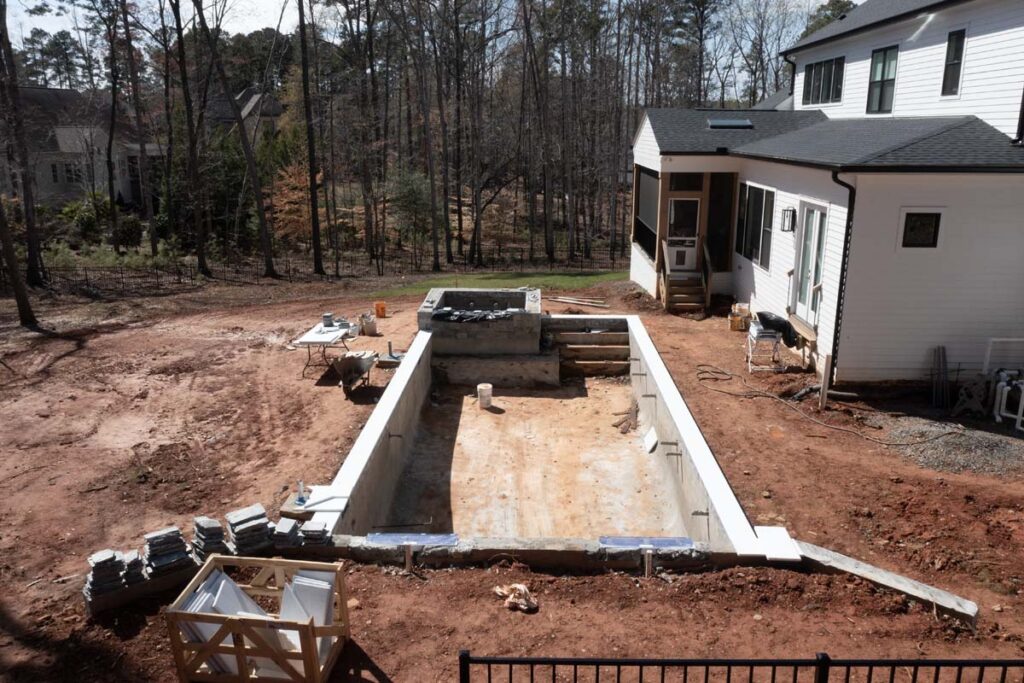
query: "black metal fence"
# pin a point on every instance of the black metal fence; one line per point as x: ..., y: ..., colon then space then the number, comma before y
x: 129, y: 281
x: 822, y: 669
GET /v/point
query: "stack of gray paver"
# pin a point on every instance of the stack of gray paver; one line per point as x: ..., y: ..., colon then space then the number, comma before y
x: 166, y: 552
x: 314, y: 533
x: 106, y: 575
x: 286, y: 533
x: 249, y: 530
x: 209, y: 538
x: 134, y: 568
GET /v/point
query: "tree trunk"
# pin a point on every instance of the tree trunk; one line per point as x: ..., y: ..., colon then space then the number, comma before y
x: 250, y: 157
x: 133, y: 77
x: 193, y: 153
x: 35, y: 272
x: 307, y: 105
x: 115, y: 77
x: 25, y: 314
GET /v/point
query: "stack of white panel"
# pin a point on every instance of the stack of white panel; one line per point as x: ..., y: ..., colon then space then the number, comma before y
x: 310, y: 594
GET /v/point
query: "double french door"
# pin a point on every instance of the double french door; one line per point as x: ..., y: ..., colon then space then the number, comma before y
x: 811, y: 241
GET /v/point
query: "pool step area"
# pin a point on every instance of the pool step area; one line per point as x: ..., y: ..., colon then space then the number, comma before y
x: 593, y: 354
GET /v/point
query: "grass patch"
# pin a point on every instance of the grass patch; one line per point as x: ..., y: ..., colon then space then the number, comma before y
x: 556, y: 281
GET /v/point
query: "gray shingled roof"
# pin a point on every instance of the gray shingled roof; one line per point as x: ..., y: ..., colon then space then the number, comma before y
x: 884, y: 144
x: 864, y: 16
x: 780, y: 101
x: 686, y: 131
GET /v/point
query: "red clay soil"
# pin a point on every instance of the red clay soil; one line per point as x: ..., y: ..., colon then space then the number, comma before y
x: 134, y: 415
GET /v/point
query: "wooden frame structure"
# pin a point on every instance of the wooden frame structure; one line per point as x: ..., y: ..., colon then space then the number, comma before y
x: 245, y: 638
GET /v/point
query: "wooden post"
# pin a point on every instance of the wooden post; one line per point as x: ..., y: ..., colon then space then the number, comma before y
x: 826, y: 379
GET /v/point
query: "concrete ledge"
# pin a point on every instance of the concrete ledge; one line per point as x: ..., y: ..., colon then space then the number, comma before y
x: 582, y: 323
x: 563, y: 554
x: 501, y: 371
x: 828, y: 560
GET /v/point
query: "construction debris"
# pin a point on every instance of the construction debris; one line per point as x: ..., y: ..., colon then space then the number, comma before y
x: 106, y: 575
x: 629, y: 419
x: 286, y: 534
x: 595, y: 303
x: 249, y: 530
x: 314, y: 533
x: 209, y: 538
x: 166, y: 552
x: 517, y: 597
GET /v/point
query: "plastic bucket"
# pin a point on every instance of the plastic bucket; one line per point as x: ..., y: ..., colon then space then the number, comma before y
x: 380, y: 309
x: 484, y: 392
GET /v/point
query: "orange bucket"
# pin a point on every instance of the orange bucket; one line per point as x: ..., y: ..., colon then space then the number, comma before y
x: 380, y: 309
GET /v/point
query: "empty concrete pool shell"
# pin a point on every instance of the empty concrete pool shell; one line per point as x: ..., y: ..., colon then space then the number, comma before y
x: 543, y: 476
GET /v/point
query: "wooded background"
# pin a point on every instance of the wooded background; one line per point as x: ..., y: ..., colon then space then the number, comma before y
x: 438, y: 130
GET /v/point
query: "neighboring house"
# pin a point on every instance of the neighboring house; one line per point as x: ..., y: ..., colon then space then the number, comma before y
x: 258, y: 110
x: 67, y: 144
x: 883, y: 212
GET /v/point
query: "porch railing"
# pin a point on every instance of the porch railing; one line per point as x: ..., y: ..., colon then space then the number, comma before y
x: 821, y: 669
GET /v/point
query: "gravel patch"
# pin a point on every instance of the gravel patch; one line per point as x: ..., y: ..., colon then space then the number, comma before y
x: 971, y: 450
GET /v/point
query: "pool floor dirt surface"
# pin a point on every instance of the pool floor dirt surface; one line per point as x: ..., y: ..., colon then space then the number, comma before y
x: 540, y: 463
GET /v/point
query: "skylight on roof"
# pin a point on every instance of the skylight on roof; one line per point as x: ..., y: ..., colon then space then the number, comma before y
x: 729, y: 124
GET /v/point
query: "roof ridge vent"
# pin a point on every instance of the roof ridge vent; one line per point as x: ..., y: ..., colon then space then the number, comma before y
x: 729, y: 124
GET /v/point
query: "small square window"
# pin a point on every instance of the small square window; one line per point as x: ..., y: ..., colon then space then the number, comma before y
x: 921, y: 230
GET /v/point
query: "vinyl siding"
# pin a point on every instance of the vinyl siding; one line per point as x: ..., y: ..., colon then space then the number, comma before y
x: 771, y: 290
x: 993, y: 68
x: 902, y: 303
x: 645, y: 147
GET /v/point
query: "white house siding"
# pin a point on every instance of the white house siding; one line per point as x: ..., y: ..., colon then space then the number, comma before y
x: 645, y: 147
x: 642, y: 270
x: 771, y: 290
x: 902, y: 303
x: 993, y: 72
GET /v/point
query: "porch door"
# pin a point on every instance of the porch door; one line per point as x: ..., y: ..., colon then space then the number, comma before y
x: 683, y: 224
x: 811, y: 241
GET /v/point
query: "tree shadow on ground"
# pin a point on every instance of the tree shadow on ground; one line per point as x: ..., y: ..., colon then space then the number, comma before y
x: 355, y: 666
x: 75, y: 658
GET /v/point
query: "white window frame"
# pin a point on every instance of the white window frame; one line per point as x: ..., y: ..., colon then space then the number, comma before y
x: 902, y: 225
x: 896, y: 81
x: 966, y: 28
x: 766, y: 188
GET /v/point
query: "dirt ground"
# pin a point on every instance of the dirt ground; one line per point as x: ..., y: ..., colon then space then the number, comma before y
x: 132, y: 415
x: 540, y: 463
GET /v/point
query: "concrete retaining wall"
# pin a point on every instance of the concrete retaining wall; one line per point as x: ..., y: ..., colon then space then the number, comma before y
x: 369, y: 476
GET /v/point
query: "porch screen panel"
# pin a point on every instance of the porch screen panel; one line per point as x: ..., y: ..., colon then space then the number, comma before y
x: 647, y: 198
x: 720, y: 206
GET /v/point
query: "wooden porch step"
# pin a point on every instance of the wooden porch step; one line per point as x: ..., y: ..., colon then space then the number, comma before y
x: 685, y: 289
x: 674, y: 298
x: 685, y: 308
x: 592, y: 338
x: 595, y: 368
x: 605, y: 352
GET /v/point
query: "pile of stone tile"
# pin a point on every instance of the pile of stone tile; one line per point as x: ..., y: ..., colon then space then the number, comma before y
x: 166, y: 552
x: 106, y: 575
x: 314, y: 533
x: 286, y: 533
x: 134, y: 568
x: 208, y: 538
x: 249, y: 530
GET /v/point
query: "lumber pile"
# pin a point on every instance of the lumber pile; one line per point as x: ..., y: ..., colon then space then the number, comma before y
x: 580, y: 301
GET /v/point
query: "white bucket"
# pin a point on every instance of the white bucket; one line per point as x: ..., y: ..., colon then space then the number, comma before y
x: 484, y: 393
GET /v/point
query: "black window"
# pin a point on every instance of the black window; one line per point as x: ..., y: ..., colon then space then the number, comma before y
x: 882, y: 86
x: 954, y: 62
x: 754, y: 222
x: 921, y: 230
x: 823, y: 81
x: 54, y: 174
x: 686, y: 182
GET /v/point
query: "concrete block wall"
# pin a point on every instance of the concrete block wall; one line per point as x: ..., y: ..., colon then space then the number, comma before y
x: 370, y: 474
x: 684, y: 454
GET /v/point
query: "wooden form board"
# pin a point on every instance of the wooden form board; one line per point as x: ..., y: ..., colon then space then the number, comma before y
x: 244, y: 637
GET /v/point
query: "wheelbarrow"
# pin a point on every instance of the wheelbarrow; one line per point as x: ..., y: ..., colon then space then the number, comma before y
x: 354, y: 369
